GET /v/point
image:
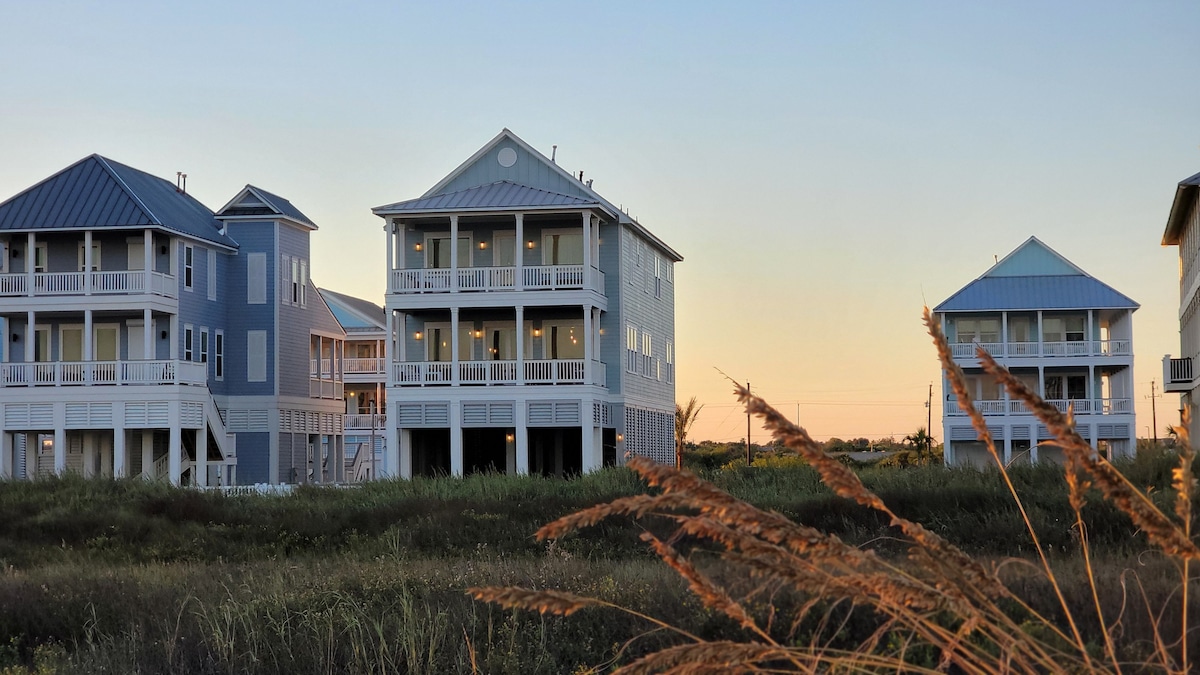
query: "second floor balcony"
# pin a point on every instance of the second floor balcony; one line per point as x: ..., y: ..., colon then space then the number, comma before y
x: 130, y: 282
x: 103, y: 373
x: 1081, y: 406
x: 966, y: 350
x: 474, y: 279
x: 541, y: 371
x: 1178, y: 374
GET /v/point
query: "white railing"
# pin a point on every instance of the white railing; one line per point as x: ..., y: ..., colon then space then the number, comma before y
x: 553, y: 277
x: 364, y: 421
x: 420, y: 281
x: 470, y: 279
x: 547, y: 371
x: 325, y: 389
x: 369, y: 366
x: 74, y: 283
x: 965, y: 350
x: 1177, y: 370
x: 66, y: 373
x: 1082, y: 406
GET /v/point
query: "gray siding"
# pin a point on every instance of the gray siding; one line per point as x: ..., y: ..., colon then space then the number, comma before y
x: 253, y: 237
x: 292, y: 344
x: 528, y: 170
x: 649, y: 314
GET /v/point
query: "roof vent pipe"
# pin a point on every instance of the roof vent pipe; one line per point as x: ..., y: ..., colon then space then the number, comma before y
x: 184, y: 190
x: 553, y: 153
x: 589, y: 183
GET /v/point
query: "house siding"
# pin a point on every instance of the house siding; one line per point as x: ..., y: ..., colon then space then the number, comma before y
x: 252, y: 237
x: 527, y: 170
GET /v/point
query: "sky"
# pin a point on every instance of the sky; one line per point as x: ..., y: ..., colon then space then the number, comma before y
x: 825, y: 169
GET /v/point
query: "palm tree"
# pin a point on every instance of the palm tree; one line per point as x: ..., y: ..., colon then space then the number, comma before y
x: 685, y: 417
x: 920, y: 439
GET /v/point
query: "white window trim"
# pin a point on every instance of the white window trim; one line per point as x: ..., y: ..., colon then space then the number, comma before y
x: 63, y: 328
x: 189, y: 337
x: 219, y: 355
x: 285, y: 279
x: 303, y: 282
x: 561, y: 323
x: 41, y: 251
x: 189, y: 267
x: 251, y: 366
x: 135, y: 263
x: 95, y: 256
x: 631, y: 348
x: 526, y: 332
x: 204, y: 344
x: 212, y: 274
x: 427, y: 249
x: 256, y: 287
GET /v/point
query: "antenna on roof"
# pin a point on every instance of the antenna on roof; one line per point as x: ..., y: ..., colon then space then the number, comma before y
x: 181, y: 182
x: 553, y: 153
x: 185, y: 183
x: 995, y: 259
x: 589, y: 183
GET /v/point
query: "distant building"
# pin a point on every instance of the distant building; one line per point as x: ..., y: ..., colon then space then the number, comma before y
x: 146, y: 335
x: 1183, y: 230
x: 532, y: 323
x: 1067, y: 335
x: 364, y: 374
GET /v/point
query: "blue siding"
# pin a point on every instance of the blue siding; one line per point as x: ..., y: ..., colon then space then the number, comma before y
x: 254, y: 237
x: 253, y: 449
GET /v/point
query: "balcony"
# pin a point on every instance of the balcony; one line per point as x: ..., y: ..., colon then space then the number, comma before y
x: 102, y: 373
x: 546, y: 371
x: 966, y: 350
x: 363, y: 366
x: 1082, y: 406
x: 490, y: 279
x: 134, y: 282
x: 364, y: 422
x: 1178, y: 375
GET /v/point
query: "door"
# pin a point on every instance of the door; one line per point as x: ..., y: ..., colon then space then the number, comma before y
x: 105, y: 341
x: 137, y: 340
x: 562, y: 248
x: 505, y: 247
x: 437, y: 252
x: 70, y: 344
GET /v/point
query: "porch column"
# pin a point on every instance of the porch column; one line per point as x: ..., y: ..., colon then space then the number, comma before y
x: 590, y: 461
x: 30, y: 335
x: 389, y: 347
x: 173, y: 265
x: 518, y: 255
x: 453, y: 254
x: 174, y: 329
x: 148, y: 454
x: 174, y: 446
x: 200, y: 472
x: 401, y: 336
x: 120, y: 458
x: 147, y: 335
x: 587, y: 249
x: 1091, y: 342
x: 587, y: 342
x: 87, y: 262
x: 520, y: 348
x: 33, y: 451
x: 1007, y: 445
x: 391, y: 249
x: 6, y: 455
x: 30, y: 255
x: 88, y: 355
x: 1093, y: 393
x: 148, y: 258
x: 454, y: 380
x: 1004, y: 333
x: 1041, y: 345
x: 405, y: 455
x: 521, y: 438
x: 60, y: 450
x: 456, y: 439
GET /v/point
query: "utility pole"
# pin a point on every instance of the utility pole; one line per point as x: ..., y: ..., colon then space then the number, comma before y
x: 747, y: 429
x: 929, y: 420
x: 1154, y: 410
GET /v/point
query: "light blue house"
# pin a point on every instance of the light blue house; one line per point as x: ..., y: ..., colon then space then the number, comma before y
x: 531, y: 323
x: 146, y: 334
x: 1067, y: 335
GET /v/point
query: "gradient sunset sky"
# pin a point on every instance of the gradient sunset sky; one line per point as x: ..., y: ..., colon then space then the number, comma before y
x: 825, y: 168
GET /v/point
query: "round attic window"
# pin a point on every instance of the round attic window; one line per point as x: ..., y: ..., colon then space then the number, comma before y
x: 507, y: 157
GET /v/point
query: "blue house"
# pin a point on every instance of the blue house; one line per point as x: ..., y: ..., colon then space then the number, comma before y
x: 530, y: 323
x: 1066, y: 334
x: 143, y: 334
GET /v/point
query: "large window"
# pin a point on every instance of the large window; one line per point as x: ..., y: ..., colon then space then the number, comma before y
x: 504, y: 249
x: 439, y: 344
x: 1059, y: 387
x: 437, y: 251
x: 95, y: 256
x: 562, y: 247
x: 631, y: 349
x: 983, y: 331
x: 1068, y: 328
x: 563, y: 340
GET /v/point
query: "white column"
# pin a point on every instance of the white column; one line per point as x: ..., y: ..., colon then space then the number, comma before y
x: 30, y: 255
x: 456, y: 439
x: 1089, y: 337
x: 175, y: 445
x: 520, y: 345
x: 1041, y: 345
x: 32, y: 453
x: 88, y: 354
x: 147, y: 335
x: 391, y: 249
x: 6, y: 455
x: 590, y: 460
x: 389, y: 347
x: 587, y: 342
x: 587, y: 249
x: 30, y: 335
x: 120, y: 457
x: 147, y: 454
x: 522, y: 438
x: 1007, y: 451
x: 453, y: 254
x: 87, y: 262
x: 402, y: 336
x: 454, y: 380
x: 519, y: 255
x: 200, y: 471
x: 405, y: 456
x: 60, y: 450
x: 1004, y: 334
x: 173, y: 248
x: 148, y: 256
x: 392, y: 450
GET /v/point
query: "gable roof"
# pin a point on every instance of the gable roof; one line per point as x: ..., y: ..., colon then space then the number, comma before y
x: 320, y: 315
x: 99, y: 193
x: 565, y: 183
x: 1035, y: 276
x: 255, y: 201
x: 1185, y: 200
x: 499, y: 195
x: 354, y: 313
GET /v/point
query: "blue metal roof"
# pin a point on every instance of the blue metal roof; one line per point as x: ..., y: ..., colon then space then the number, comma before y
x: 96, y: 193
x: 1035, y: 292
x: 499, y: 195
x: 283, y: 206
x: 350, y: 311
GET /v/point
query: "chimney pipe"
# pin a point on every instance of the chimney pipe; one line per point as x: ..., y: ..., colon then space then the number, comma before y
x: 553, y: 153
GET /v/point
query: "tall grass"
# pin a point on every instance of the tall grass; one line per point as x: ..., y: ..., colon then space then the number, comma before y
x: 794, y: 589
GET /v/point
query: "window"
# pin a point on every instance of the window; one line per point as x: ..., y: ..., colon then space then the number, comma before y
x: 670, y: 361
x: 1068, y: 328
x: 188, y: 255
x: 295, y: 281
x: 1071, y: 387
x: 658, y: 276
x: 187, y: 342
x: 256, y: 356
x: 135, y: 251
x: 437, y: 251
x: 40, y: 257
x: 439, y: 345
x: 647, y: 355
x: 983, y: 331
x: 256, y: 279
x: 212, y: 274
x: 219, y: 354
x: 303, y: 283
x: 562, y: 247
x: 631, y: 349
x: 504, y: 247
x: 3, y: 258
x: 95, y: 256
x: 563, y: 340
x: 285, y: 277
x: 203, y: 345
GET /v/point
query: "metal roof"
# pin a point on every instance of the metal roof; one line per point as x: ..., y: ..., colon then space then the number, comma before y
x: 97, y: 192
x: 283, y: 206
x: 1035, y: 292
x: 499, y: 195
x: 1185, y: 197
x: 354, y: 312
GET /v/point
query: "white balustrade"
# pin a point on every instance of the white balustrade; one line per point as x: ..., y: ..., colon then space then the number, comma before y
x: 1081, y: 406
x: 121, y: 282
x: 546, y: 371
x: 14, y: 284
x: 473, y: 279
x: 364, y: 421
x: 369, y: 366
x: 66, y: 373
